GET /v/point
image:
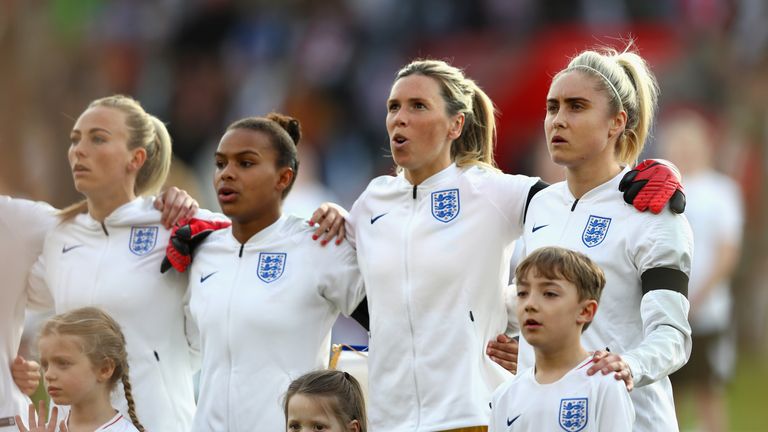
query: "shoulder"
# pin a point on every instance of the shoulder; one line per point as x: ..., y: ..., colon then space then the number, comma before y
x: 14, y: 211
x: 508, y: 389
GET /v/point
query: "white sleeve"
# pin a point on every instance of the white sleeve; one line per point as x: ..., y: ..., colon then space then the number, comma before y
x: 509, y: 194
x: 39, y: 296
x: 664, y: 263
x: 341, y: 282
x: 27, y: 223
x: 614, y: 410
x: 191, y: 329
x: 353, y: 219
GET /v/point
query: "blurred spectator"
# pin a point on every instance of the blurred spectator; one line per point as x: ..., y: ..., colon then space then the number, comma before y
x: 715, y: 211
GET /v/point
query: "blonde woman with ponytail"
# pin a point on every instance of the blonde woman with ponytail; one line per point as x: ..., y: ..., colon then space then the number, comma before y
x: 83, y: 356
x: 107, y: 250
x: 599, y: 113
x: 434, y: 244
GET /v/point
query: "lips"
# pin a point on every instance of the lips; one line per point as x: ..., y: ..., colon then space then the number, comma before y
x: 531, y: 324
x: 53, y: 390
x: 226, y: 194
x: 557, y: 139
x: 79, y: 169
x: 399, y: 140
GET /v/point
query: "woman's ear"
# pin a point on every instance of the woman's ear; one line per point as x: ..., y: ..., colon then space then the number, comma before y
x: 587, y: 311
x: 286, y: 175
x: 618, y: 124
x: 138, y: 157
x: 353, y: 426
x: 457, y: 125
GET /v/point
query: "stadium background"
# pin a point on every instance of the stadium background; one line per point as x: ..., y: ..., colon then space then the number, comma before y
x: 199, y: 64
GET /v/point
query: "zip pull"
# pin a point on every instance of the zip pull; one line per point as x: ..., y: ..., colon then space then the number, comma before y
x: 573, y: 207
x: 240, y: 255
x: 104, y: 228
x: 414, y: 191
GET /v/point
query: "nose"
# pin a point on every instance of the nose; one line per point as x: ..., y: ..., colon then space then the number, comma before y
x: 399, y: 117
x: 558, y: 122
x: 49, y: 375
x: 227, y: 172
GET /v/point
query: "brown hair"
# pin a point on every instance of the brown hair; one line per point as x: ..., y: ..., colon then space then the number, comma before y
x: 462, y: 95
x: 560, y: 263
x: 284, y: 132
x: 630, y: 86
x: 338, y: 391
x: 144, y: 131
x: 102, y: 341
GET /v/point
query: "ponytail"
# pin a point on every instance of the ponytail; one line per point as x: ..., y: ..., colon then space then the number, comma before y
x: 630, y: 86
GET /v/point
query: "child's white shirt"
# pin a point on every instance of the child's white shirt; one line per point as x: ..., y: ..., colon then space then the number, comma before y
x: 576, y: 402
x: 118, y: 423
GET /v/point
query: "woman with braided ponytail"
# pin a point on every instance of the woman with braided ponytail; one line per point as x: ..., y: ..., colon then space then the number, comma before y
x: 83, y: 355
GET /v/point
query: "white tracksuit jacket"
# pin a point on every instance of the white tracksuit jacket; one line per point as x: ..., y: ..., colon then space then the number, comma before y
x: 23, y: 226
x: 649, y: 330
x: 435, y: 261
x: 116, y: 266
x: 265, y: 311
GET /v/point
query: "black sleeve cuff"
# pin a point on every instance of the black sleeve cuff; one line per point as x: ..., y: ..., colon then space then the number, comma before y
x: 665, y: 278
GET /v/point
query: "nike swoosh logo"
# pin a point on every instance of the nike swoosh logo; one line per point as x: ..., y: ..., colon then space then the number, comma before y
x: 204, y: 278
x: 536, y: 228
x: 374, y: 219
x: 509, y: 422
x: 66, y: 249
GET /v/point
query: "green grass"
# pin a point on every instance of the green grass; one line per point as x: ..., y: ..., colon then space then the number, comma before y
x: 746, y: 396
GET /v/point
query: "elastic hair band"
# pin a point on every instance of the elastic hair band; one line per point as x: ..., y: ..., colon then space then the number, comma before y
x: 616, y: 92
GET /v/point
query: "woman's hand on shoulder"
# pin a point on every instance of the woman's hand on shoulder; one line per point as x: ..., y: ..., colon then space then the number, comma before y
x: 607, y: 362
x: 175, y: 204
x: 329, y: 219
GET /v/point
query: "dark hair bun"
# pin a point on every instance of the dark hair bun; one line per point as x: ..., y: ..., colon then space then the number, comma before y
x: 290, y: 124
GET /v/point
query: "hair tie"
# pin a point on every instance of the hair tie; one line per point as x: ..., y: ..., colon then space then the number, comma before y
x: 346, y: 375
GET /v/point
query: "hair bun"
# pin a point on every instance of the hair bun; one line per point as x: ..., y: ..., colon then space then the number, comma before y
x: 290, y: 124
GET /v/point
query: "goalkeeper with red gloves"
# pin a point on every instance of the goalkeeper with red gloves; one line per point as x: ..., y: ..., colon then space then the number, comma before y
x: 599, y: 112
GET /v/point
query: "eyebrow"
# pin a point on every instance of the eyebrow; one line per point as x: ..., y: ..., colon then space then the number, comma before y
x: 416, y: 99
x: 92, y: 130
x: 242, y: 153
x: 571, y: 99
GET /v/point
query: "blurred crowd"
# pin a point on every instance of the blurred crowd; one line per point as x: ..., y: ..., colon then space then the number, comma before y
x: 199, y: 64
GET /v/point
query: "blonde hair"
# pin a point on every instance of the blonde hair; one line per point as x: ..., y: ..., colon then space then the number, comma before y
x: 630, y: 86
x: 102, y: 341
x: 339, y: 393
x: 144, y: 131
x: 559, y: 263
x: 462, y: 95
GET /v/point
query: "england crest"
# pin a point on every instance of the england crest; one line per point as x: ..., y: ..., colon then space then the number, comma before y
x: 143, y: 239
x: 271, y: 266
x: 595, y: 230
x: 445, y: 205
x: 573, y: 414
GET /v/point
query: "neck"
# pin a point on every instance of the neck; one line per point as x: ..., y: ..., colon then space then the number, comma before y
x: 552, y: 363
x: 102, y: 205
x: 89, y: 414
x: 583, y: 178
x: 417, y: 176
x: 244, y: 230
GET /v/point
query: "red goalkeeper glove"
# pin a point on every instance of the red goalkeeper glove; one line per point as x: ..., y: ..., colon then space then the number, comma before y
x: 652, y: 184
x: 186, y: 235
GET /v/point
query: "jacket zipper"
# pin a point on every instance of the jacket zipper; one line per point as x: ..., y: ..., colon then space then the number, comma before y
x: 407, y: 289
